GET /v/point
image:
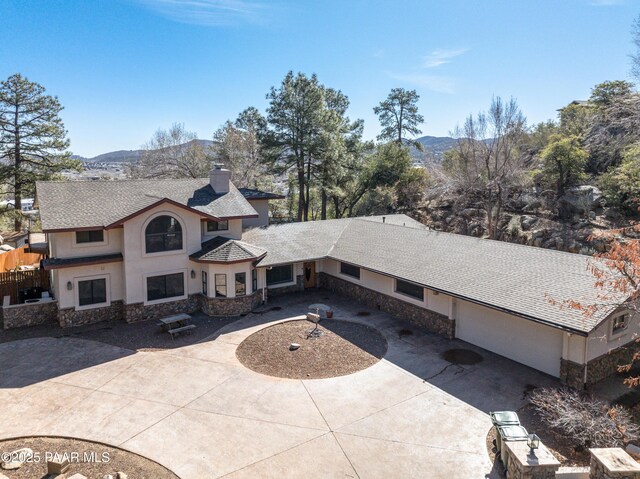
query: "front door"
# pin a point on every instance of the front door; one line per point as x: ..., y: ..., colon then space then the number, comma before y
x: 310, y: 275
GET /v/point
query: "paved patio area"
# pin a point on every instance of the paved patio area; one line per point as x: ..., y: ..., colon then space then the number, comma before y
x: 199, y: 412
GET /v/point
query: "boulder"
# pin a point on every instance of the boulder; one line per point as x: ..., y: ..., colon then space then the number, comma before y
x: 121, y: 475
x: 579, y: 201
x: 77, y: 475
x: 527, y: 221
x: 18, y: 458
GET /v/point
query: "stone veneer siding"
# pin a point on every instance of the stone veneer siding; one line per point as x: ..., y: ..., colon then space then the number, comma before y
x: 143, y: 312
x: 607, y: 364
x: 230, y: 306
x: 18, y: 315
x: 69, y: 317
x: 277, y: 291
x: 416, y: 315
x: 572, y: 374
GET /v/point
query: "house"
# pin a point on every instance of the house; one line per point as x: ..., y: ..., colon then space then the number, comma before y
x: 140, y: 249
x: 15, y: 239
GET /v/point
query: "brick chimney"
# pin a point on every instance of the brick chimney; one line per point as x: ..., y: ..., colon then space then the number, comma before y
x: 219, y: 179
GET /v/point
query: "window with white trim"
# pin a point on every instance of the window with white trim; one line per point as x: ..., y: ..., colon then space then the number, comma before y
x: 619, y: 323
x: 163, y: 233
x: 89, y: 236
x: 280, y: 274
x: 410, y: 289
x: 165, y: 286
x: 92, y: 291
x: 217, y: 226
x: 350, y: 270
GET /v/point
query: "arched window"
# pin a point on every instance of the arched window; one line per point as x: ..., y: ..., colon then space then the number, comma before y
x: 163, y: 233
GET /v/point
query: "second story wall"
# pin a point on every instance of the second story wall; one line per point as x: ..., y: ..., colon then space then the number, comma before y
x: 262, y: 208
x: 139, y: 265
x: 65, y: 245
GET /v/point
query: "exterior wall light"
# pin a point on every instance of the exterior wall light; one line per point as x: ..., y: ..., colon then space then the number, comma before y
x: 533, y: 441
x: 69, y: 285
x: 193, y: 274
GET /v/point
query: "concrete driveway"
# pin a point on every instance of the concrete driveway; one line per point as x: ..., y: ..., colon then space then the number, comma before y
x: 199, y: 412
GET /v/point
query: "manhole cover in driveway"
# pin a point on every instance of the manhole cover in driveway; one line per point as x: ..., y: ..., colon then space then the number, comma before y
x: 461, y: 356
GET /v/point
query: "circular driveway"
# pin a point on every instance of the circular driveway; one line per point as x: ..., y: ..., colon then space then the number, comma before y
x: 199, y: 412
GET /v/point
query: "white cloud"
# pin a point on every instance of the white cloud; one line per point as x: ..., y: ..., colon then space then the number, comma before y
x: 209, y: 12
x: 435, y: 83
x: 441, y: 57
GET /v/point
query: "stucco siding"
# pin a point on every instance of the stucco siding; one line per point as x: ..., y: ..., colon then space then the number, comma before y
x: 63, y: 245
x: 68, y: 298
x: 262, y: 208
x: 601, y: 341
x: 521, y: 340
x: 138, y: 265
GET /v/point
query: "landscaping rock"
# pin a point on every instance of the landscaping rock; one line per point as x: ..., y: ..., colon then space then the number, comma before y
x: 121, y: 475
x: 294, y: 346
x: 20, y: 456
x: 76, y: 476
x: 633, y: 450
x: 2, y: 476
x: 527, y: 222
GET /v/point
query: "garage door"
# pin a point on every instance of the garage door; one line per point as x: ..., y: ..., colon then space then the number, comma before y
x: 526, y: 342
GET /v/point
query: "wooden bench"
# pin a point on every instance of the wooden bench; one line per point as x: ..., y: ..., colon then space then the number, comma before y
x: 181, y: 329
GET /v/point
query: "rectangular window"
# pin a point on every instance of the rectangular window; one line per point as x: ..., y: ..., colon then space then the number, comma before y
x: 221, y: 285
x: 254, y: 280
x: 241, y: 284
x: 280, y: 274
x: 205, y: 289
x: 165, y: 286
x: 217, y: 226
x: 410, y: 289
x: 93, y: 291
x: 620, y: 323
x: 89, y: 236
x: 350, y: 270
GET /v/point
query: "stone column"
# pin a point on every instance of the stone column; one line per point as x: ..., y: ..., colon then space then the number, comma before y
x: 521, y: 464
x: 613, y: 463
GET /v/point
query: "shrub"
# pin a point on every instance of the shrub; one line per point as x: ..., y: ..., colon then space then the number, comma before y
x: 588, y: 421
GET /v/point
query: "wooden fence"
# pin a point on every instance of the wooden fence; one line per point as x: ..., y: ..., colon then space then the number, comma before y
x: 12, y: 282
x: 18, y: 257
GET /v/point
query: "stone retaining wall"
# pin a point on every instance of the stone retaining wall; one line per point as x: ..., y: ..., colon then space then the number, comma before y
x: 18, y: 315
x: 69, y: 317
x: 420, y: 317
x: 572, y: 374
x: 230, y: 306
x: 299, y: 286
x: 140, y: 312
x: 607, y: 364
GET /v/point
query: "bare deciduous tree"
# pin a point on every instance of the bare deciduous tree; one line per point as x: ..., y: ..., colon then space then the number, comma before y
x: 588, y: 421
x: 173, y: 153
x: 237, y: 145
x: 487, y: 164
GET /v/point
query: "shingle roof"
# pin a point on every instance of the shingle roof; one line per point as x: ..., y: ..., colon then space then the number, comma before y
x: 515, y: 278
x: 225, y: 250
x: 252, y: 194
x: 83, y: 204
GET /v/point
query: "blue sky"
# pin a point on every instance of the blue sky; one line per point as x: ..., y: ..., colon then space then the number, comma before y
x: 124, y: 68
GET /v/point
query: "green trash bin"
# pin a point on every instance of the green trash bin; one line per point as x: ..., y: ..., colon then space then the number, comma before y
x: 511, y: 433
x: 503, y: 418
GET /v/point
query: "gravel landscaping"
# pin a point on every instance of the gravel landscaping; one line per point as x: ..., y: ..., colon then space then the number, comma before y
x: 141, y: 336
x: 93, y: 460
x: 342, y: 348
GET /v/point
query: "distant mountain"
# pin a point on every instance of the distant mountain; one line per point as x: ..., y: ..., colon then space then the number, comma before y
x: 126, y: 156
x: 434, y: 147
